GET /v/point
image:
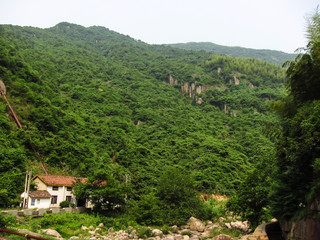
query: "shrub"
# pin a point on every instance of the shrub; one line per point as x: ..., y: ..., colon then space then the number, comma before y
x: 7, y: 220
x: 65, y: 204
x: 144, y: 232
x: 147, y: 210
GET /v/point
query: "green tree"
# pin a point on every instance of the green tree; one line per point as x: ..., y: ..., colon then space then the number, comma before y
x: 103, y: 190
x: 176, y: 190
x: 298, y: 149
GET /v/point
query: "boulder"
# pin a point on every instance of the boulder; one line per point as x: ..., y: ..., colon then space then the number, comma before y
x: 51, y: 232
x: 84, y: 228
x: 228, y: 225
x: 195, y: 237
x: 243, y: 226
x: 157, y: 232
x: 174, y: 228
x: 178, y: 237
x: 196, y: 224
x: 168, y: 238
x: 223, y: 237
x: 101, y: 225
x: 184, y: 227
x: 205, y: 234
x: 211, y: 226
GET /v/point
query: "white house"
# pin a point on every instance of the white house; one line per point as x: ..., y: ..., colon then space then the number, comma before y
x: 38, y: 199
x: 59, y: 188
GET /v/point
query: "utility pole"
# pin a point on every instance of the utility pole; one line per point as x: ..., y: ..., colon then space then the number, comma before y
x: 25, y: 191
x: 29, y: 180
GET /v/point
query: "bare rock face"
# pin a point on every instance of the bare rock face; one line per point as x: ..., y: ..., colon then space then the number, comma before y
x: 308, y: 229
x: 196, y: 225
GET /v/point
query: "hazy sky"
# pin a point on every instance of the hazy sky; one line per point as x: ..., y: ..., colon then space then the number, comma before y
x: 260, y: 24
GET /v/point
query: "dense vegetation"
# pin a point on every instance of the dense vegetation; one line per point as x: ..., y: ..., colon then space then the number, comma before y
x: 272, y: 56
x: 291, y: 187
x: 98, y: 104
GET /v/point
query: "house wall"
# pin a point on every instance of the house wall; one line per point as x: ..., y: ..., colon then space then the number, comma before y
x: 40, y: 185
x: 61, y: 194
x: 39, y: 202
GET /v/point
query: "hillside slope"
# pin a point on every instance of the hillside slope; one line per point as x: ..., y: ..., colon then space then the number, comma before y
x: 272, y: 56
x: 90, y: 99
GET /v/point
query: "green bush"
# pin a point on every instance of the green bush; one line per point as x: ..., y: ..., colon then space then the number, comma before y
x: 213, y: 209
x: 66, y: 203
x: 2, y: 221
x: 7, y: 220
x: 144, y: 232
x: 147, y: 210
x: 166, y: 229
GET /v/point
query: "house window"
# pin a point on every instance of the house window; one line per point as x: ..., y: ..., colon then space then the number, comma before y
x: 33, y: 201
x: 69, y: 189
x: 68, y: 198
x: 55, y: 188
x: 54, y: 199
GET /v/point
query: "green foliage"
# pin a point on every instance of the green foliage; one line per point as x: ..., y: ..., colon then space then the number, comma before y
x: 103, y: 190
x: 251, y: 200
x: 144, y: 232
x: 97, y: 104
x: 58, y: 222
x: 176, y: 191
x: 272, y: 56
x: 65, y: 204
x: 147, y: 210
x: 214, y: 209
x: 296, y: 183
x: 7, y: 220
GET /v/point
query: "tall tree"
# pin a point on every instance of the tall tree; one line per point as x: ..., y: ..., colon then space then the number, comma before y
x: 298, y: 149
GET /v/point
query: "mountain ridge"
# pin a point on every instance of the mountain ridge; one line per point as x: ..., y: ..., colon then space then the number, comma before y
x: 273, y: 56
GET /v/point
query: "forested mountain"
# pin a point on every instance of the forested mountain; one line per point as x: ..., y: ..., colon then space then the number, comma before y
x: 272, y: 56
x: 93, y: 101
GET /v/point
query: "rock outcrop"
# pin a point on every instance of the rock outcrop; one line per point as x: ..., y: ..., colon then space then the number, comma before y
x: 196, y: 225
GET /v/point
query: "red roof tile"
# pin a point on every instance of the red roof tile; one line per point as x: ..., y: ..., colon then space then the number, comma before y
x: 40, y: 194
x: 53, y: 180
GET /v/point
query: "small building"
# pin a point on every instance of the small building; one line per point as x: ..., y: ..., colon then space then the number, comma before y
x: 58, y: 187
x: 39, y: 199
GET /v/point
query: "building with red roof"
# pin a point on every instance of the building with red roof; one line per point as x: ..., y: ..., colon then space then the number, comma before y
x: 55, y: 188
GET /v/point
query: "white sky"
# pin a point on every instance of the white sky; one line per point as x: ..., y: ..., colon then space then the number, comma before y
x: 260, y: 24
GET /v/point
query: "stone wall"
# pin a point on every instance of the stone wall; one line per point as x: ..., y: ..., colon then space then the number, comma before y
x: 41, y: 212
